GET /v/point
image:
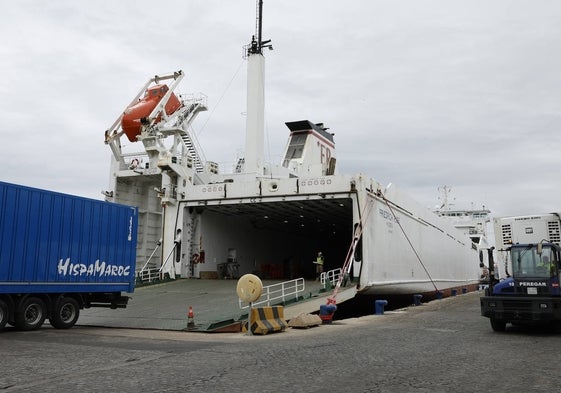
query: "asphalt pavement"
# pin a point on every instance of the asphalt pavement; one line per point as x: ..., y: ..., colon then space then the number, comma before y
x: 437, y: 347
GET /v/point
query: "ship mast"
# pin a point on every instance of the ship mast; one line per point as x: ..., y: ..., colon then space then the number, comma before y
x: 255, y: 122
x: 445, y: 204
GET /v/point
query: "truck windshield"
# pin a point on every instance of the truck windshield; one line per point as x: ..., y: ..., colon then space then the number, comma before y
x: 528, y: 263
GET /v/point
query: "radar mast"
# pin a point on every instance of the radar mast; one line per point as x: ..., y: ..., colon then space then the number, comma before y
x: 255, y: 122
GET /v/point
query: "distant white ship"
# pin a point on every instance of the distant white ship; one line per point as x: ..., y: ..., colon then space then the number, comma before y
x: 271, y: 219
x: 473, y: 222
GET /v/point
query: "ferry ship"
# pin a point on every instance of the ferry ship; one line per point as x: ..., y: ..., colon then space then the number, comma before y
x: 474, y: 222
x: 198, y: 220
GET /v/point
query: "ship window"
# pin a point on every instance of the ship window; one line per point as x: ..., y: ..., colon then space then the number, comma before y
x: 529, y: 230
x: 295, y: 148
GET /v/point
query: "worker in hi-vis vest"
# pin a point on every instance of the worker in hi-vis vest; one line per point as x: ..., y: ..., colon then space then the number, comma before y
x: 319, y: 265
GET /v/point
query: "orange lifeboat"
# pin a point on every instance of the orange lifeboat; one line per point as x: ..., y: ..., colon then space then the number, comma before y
x: 137, y: 114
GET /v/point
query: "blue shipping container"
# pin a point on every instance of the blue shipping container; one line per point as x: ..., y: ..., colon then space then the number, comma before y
x: 52, y: 242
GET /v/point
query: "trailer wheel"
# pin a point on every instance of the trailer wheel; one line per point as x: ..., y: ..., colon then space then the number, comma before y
x: 65, y: 313
x: 498, y: 325
x: 30, y: 314
x: 3, y: 314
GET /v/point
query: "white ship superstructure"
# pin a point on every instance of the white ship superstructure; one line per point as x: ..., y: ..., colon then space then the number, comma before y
x: 473, y: 222
x: 273, y: 219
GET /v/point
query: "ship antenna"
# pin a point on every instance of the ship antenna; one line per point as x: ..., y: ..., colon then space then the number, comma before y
x: 259, y: 21
x: 445, y: 190
x: 257, y: 45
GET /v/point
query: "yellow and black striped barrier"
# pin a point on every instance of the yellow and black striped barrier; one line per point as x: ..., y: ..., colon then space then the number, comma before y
x: 267, y: 320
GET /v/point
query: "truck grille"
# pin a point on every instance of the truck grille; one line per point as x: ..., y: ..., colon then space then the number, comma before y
x: 507, y: 234
x: 527, y: 310
x: 517, y: 305
x: 554, y: 232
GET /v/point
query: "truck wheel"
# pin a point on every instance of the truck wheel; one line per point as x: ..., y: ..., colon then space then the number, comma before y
x: 65, y: 313
x: 3, y: 314
x: 30, y: 314
x: 498, y: 325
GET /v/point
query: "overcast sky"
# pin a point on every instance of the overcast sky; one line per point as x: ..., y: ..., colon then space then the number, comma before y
x: 418, y: 93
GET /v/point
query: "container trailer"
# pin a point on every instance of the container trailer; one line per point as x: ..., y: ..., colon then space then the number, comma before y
x: 61, y: 253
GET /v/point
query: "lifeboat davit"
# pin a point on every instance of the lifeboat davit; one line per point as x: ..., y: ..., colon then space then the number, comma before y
x: 137, y: 114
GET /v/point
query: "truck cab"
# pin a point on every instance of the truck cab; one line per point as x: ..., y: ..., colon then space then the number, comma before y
x: 531, y: 295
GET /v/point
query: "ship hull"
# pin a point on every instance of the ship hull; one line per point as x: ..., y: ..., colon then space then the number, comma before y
x: 274, y: 228
x: 407, y: 249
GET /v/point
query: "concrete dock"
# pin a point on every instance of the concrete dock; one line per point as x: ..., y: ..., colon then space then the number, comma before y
x: 215, y: 305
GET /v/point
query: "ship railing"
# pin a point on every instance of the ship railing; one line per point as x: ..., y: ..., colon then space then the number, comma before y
x: 148, y: 275
x: 192, y: 105
x: 148, y: 272
x: 232, y: 167
x: 280, y: 293
x: 331, y: 276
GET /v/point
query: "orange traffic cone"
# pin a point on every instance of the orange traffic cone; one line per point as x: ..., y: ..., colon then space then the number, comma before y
x: 190, y: 318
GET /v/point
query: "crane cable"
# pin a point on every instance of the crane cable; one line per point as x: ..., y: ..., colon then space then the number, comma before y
x: 220, y: 99
x: 380, y: 194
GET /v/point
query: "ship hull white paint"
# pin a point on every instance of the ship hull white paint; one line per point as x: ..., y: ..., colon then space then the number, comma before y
x: 229, y: 218
x: 434, y: 255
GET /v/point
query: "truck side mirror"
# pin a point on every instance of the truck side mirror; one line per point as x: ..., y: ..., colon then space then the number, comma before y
x: 481, y: 256
x: 539, y: 248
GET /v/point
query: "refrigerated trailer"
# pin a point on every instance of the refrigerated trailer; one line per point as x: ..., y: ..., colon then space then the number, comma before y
x: 529, y: 229
x: 61, y: 253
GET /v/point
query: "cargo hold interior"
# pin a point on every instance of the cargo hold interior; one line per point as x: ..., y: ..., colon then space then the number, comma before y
x: 276, y: 240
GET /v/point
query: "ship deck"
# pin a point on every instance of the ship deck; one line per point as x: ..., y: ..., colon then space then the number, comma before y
x: 215, y: 306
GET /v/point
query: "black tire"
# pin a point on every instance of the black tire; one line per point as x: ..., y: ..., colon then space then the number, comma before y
x: 498, y: 325
x: 30, y: 314
x: 3, y: 314
x: 65, y: 313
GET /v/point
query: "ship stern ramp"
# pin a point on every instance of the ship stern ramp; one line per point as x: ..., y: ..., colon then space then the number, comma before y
x: 214, y: 304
